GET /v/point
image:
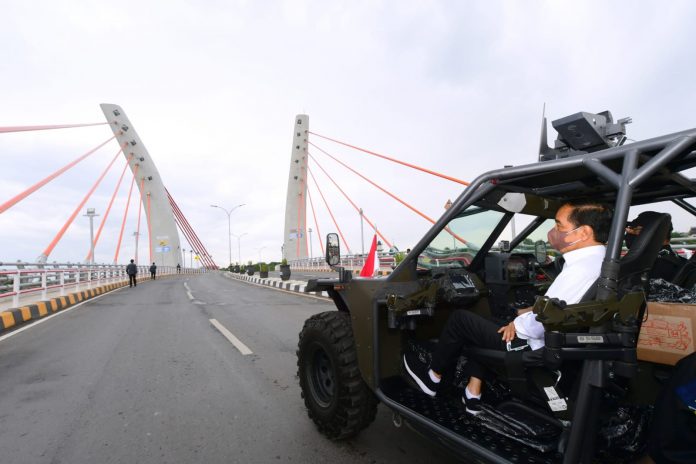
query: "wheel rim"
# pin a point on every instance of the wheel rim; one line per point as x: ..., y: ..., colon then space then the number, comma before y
x: 320, y: 376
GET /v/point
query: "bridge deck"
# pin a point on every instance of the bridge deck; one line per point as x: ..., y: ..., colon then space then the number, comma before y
x: 143, y: 375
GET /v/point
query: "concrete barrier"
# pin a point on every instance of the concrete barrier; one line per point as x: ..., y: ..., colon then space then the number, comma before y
x: 321, y: 269
x: 275, y: 282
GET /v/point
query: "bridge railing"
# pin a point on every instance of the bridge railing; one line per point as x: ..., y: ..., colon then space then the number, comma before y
x: 22, y: 279
x: 352, y: 262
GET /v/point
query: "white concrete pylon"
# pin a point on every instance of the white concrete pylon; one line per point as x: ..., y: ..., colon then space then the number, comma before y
x: 295, y: 232
x: 164, y: 237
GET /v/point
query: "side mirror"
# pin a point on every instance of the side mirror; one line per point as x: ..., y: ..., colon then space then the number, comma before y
x: 540, y: 251
x: 333, y: 249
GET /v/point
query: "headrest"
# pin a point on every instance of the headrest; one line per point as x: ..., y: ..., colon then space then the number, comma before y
x: 643, y: 252
x: 645, y: 218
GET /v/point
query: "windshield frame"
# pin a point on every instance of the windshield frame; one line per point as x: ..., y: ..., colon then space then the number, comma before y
x: 478, y: 251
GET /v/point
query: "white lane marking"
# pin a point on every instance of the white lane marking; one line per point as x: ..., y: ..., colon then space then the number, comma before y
x: 232, y: 339
x: 188, y: 291
x: 44, y: 319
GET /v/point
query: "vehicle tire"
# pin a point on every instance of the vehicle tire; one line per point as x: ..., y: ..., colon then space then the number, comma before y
x: 337, y: 398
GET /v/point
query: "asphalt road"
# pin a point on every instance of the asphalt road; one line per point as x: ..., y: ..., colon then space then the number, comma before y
x: 142, y: 376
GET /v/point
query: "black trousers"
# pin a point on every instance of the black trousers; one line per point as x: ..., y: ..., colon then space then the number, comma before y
x: 131, y: 280
x: 466, y: 329
x: 152, y: 275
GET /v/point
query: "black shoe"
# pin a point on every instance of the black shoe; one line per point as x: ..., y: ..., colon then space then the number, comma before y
x: 473, y: 405
x: 419, y: 373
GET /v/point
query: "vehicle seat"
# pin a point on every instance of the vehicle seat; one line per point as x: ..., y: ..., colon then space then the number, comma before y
x: 686, y: 276
x: 634, y: 271
x: 635, y: 265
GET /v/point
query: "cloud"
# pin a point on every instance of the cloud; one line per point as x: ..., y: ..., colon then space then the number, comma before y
x: 213, y: 87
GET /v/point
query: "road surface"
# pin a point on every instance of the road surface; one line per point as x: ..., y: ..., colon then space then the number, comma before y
x: 142, y: 376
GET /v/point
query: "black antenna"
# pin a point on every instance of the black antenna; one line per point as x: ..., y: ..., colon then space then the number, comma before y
x: 544, y: 149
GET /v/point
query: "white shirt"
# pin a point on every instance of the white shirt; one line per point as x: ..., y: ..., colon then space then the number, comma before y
x: 580, y: 271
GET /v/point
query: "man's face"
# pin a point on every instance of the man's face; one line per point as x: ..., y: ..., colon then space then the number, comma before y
x: 575, y: 237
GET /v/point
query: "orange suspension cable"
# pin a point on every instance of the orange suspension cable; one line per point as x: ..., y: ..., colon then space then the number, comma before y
x: 413, y: 166
x: 125, y: 214
x: 316, y: 224
x: 17, y: 198
x: 191, y: 237
x: 351, y: 202
x: 36, y: 128
x: 108, y: 209
x: 329, y: 209
x: 428, y: 218
x: 61, y: 232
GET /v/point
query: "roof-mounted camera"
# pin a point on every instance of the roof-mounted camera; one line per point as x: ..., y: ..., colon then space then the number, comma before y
x: 582, y: 133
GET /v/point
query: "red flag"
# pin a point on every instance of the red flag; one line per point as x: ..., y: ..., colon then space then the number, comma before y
x: 372, y: 264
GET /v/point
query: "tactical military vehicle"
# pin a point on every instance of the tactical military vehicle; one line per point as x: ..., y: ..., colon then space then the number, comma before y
x: 586, y: 396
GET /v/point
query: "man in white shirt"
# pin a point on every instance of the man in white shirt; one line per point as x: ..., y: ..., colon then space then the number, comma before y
x: 580, y: 232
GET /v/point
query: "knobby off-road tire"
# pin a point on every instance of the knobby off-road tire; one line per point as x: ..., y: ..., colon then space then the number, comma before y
x: 337, y: 398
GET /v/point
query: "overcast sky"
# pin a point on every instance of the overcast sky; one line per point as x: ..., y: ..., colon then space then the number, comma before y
x: 212, y: 88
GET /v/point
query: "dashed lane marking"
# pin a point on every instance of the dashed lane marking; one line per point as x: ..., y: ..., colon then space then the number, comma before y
x: 232, y: 339
x: 188, y: 291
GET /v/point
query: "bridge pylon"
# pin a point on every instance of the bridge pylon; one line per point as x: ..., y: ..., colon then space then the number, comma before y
x: 163, y: 237
x: 295, y: 232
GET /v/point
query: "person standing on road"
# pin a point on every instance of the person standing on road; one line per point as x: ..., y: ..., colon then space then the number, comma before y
x: 178, y: 268
x: 132, y: 271
x: 153, y: 271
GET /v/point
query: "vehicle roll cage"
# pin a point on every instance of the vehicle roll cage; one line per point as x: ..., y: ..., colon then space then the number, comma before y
x: 632, y: 166
x: 643, y: 168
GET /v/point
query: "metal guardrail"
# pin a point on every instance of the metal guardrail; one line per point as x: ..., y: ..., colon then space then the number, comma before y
x: 20, y: 279
x: 349, y: 262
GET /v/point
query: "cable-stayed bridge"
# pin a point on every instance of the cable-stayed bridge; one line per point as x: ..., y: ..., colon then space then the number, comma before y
x: 187, y: 367
x: 143, y: 221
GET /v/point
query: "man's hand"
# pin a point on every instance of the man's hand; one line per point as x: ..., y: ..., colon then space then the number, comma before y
x: 508, y: 332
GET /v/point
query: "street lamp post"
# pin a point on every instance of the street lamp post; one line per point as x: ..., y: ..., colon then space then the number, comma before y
x: 239, y: 245
x: 136, y: 235
x: 90, y: 214
x: 260, y: 249
x: 362, y: 234
x: 311, y: 255
x: 229, y: 226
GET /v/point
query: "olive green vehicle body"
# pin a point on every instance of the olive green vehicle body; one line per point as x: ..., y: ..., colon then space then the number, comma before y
x: 639, y: 173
